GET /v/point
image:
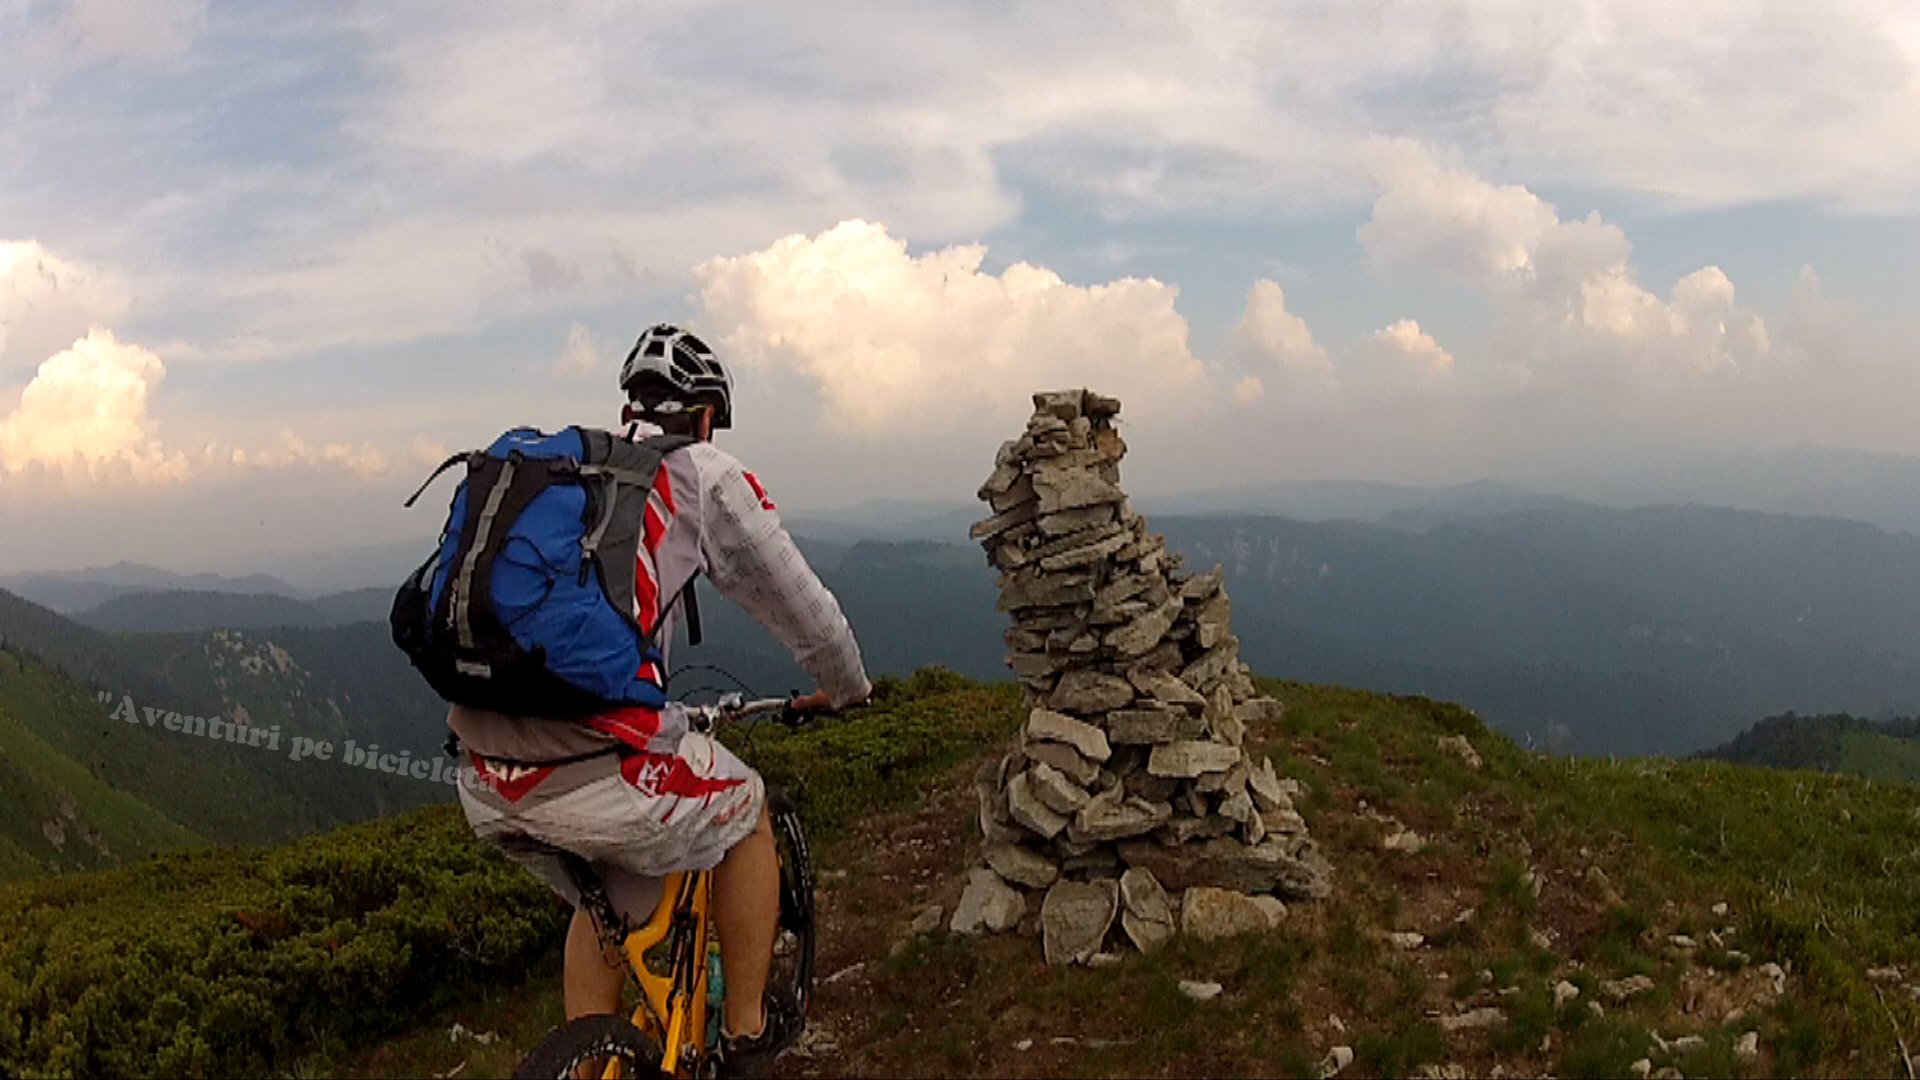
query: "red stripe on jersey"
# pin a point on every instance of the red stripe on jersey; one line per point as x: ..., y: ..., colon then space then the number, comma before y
x: 663, y: 483
x: 634, y: 725
x: 753, y: 482
x: 646, y: 592
x: 653, y: 525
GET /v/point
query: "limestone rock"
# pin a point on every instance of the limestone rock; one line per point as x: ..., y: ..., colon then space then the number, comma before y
x: 1111, y: 821
x: 1087, y: 691
x: 1166, y: 689
x: 1275, y: 909
x: 1090, y: 741
x: 1052, y: 787
x: 928, y: 920
x: 1064, y: 758
x: 1205, y: 585
x: 1145, y: 631
x: 1264, y: 784
x: 1146, y: 915
x: 1020, y: 865
x: 1070, y: 489
x: 987, y: 905
x: 1091, y: 552
x: 1028, y: 810
x: 1027, y: 590
x: 1075, y: 917
x: 1191, y: 758
x: 1199, y: 990
x: 1069, y: 522
x: 1473, y: 1020
x: 1213, y: 666
x: 1159, y: 724
x: 1213, y: 621
x: 1210, y: 914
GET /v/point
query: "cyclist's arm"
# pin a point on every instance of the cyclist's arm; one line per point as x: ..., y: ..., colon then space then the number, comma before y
x: 754, y: 563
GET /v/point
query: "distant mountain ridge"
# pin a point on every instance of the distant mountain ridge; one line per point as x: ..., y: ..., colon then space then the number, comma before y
x: 1571, y: 626
x: 68, y: 591
x: 190, y: 609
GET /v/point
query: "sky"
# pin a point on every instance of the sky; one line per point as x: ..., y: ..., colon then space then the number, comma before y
x: 261, y: 266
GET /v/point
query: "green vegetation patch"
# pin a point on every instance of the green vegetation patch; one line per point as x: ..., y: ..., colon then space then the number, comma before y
x: 839, y: 768
x: 232, y: 963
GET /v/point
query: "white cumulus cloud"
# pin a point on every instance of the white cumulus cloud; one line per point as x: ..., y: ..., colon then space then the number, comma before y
x: 1277, y: 342
x: 1566, y: 290
x: 85, y: 414
x: 898, y: 343
x: 1447, y: 222
x: 46, y: 301
x: 1411, y: 344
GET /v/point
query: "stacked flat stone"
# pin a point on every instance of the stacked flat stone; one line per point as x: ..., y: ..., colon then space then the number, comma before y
x: 1130, y: 779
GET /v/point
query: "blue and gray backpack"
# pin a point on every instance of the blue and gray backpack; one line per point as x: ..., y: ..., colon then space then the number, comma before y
x: 527, y: 605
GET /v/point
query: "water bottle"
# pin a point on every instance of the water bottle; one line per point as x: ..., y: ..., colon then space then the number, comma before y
x: 716, y: 993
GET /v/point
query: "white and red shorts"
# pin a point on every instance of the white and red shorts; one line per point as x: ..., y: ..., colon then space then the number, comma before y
x: 636, y: 817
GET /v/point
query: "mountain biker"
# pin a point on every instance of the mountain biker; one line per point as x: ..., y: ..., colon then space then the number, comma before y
x: 633, y: 790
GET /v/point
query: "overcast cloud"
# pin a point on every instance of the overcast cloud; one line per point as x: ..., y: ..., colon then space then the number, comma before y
x: 248, y: 249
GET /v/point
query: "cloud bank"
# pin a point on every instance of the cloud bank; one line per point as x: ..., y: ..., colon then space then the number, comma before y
x: 899, y: 344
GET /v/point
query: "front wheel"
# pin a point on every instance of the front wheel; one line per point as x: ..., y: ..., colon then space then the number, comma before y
x: 592, y: 1038
x: 793, y: 953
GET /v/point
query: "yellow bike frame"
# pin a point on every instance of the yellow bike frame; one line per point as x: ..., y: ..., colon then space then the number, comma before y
x: 673, y: 1006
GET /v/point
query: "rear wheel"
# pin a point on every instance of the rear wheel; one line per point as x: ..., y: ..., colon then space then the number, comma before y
x: 592, y: 1038
x: 793, y: 948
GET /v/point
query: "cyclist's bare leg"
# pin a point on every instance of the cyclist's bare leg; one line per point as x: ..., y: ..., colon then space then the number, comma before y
x: 746, y: 911
x: 595, y: 975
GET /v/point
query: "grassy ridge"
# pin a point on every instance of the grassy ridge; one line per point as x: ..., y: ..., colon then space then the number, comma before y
x: 1534, y: 870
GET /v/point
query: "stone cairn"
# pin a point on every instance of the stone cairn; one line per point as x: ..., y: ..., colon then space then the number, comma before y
x: 1129, y: 797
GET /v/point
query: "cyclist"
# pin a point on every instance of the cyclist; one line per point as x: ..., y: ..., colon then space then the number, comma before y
x: 633, y: 790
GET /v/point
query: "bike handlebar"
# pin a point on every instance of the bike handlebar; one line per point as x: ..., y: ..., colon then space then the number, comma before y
x: 732, y: 707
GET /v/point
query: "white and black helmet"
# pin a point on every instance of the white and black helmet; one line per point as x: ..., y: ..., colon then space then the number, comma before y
x: 669, y: 364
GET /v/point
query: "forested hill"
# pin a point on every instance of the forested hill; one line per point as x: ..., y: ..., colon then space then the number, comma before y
x: 197, y: 734
x: 1879, y: 750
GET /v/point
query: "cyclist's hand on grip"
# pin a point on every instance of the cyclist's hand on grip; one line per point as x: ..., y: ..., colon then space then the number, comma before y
x: 801, y: 707
x: 816, y: 702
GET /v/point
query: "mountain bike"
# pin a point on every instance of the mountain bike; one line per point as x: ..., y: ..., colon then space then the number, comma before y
x: 673, y: 1031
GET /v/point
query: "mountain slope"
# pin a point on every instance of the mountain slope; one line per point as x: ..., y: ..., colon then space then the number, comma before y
x: 113, y: 706
x: 55, y: 815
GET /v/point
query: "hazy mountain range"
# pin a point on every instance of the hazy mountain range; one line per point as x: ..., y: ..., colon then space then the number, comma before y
x: 1572, y: 626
